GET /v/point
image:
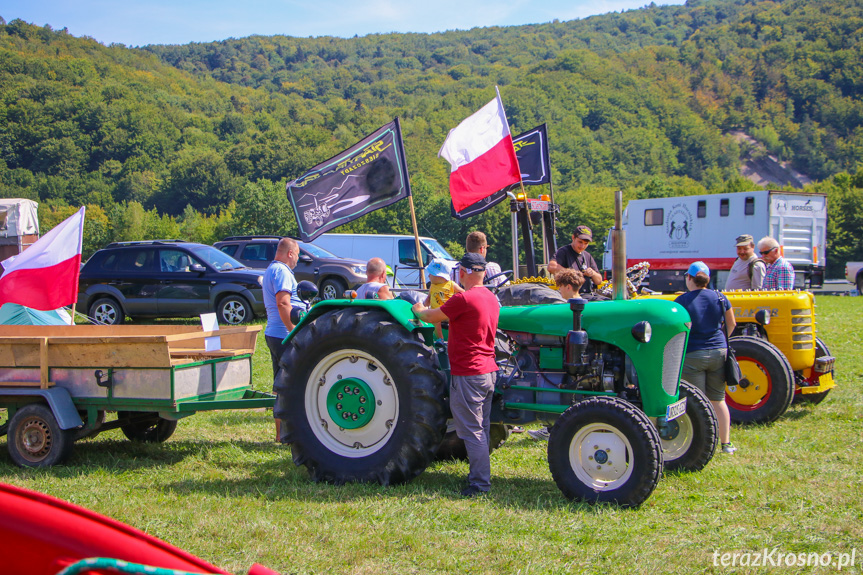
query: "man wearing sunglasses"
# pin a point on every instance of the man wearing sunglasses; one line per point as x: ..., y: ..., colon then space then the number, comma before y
x: 780, y: 273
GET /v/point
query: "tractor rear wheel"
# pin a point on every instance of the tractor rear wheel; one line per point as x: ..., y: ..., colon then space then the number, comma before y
x: 604, y: 449
x: 767, y: 387
x: 360, y: 399
x: 690, y: 441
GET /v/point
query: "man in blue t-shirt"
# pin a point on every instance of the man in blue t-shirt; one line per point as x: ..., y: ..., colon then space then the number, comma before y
x: 280, y: 297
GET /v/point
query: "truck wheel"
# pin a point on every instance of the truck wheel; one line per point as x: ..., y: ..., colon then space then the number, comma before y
x: 603, y: 449
x: 233, y: 310
x: 360, y: 399
x: 146, y: 427
x: 814, y: 398
x: 35, y: 438
x: 106, y: 311
x: 691, y: 440
x: 768, y: 382
x: 333, y: 288
x: 453, y: 447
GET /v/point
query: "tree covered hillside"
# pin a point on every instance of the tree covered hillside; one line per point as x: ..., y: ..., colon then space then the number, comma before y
x: 198, y: 140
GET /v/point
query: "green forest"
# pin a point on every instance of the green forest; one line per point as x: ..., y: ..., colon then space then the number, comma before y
x: 198, y: 141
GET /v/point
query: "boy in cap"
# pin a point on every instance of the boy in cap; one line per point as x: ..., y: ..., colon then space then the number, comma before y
x: 575, y: 256
x: 473, y: 316
x: 442, y: 288
x: 748, y: 270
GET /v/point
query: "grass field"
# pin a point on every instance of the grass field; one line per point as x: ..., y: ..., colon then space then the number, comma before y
x: 223, y: 490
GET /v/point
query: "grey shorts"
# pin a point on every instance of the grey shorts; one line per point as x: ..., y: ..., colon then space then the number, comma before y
x: 705, y: 369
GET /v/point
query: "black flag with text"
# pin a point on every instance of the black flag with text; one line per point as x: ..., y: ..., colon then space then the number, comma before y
x: 370, y: 175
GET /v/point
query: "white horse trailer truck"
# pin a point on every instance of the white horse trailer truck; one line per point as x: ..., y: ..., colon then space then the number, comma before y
x: 671, y: 233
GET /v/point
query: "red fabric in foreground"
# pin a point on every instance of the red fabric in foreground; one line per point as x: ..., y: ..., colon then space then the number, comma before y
x: 40, y: 535
x: 490, y: 172
x: 43, y: 288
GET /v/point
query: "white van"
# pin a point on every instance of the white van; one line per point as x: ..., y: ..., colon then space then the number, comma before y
x: 398, y: 251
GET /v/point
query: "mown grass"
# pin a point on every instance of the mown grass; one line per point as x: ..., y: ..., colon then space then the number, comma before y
x: 223, y: 490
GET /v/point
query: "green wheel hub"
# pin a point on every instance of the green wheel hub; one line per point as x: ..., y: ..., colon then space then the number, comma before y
x: 351, y: 403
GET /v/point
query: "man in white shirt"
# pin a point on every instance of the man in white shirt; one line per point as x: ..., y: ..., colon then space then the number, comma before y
x: 748, y: 270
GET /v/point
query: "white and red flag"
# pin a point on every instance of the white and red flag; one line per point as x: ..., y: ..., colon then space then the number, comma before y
x: 45, y: 275
x: 481, y: 155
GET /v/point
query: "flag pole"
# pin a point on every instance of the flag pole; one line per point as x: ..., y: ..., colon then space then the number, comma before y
x: 413, y: 213
x: 418, y: 246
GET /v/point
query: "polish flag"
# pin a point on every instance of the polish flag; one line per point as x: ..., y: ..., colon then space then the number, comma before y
x: 481, y: 156
x: 45, y: 275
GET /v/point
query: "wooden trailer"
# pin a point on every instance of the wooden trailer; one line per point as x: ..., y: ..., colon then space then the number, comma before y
x: 57, y: 382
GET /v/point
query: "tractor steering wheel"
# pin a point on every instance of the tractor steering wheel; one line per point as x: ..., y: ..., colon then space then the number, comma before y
x: 497, y: 285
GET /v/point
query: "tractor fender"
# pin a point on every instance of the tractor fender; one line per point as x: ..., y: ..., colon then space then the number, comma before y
x: 57, y: 398
x: 398, y: 309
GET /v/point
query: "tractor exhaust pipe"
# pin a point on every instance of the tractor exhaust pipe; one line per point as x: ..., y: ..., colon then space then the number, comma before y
x: 618, y: 251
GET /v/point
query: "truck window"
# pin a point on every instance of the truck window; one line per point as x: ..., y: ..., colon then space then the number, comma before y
x: 408, y: 253
x: 653, y: 217
x: 723, y: 208
x: 702, y: 208
x: 749, y: 206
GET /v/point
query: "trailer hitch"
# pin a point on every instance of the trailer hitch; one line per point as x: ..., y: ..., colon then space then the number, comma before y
x: 108, y: 381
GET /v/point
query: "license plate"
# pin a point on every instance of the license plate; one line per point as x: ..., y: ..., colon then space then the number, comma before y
x: 675, y: 410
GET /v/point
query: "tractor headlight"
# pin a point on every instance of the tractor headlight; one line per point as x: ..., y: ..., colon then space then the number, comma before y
x: 762, y: 317
x: 261, y: 281
x: 642, y: 331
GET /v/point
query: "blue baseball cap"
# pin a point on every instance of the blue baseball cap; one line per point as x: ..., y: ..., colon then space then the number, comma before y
x: 698, y: 267
x: 438, y: 268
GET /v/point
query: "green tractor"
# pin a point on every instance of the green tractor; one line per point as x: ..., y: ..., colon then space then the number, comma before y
x: 363, y: 393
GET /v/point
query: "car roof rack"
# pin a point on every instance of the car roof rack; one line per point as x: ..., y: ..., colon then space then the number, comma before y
x: 145, y: 242
x: 235, y: 238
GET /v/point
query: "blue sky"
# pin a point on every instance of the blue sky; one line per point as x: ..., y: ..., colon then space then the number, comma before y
x: 140, y: 22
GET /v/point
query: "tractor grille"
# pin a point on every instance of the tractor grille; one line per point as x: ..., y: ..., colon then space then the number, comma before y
x: 802, y: 328
x: 672, y: 357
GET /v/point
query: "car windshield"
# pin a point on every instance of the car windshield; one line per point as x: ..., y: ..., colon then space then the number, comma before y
x: 216, y: 258
x: 317, y: 251
x: 437, y: 250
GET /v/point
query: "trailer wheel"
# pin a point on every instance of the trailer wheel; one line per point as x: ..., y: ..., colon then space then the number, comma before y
x: 768, y: 382
x: 360, y: 399
x: 35, y: 438
x: 814, y: 398
x: 146, y: 427
x: 452, y: 447
x: 603, y: 449
x: 691, y: 440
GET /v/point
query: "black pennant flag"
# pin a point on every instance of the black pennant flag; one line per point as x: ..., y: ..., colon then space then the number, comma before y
x: 531, y: 149
x: 368, y: 176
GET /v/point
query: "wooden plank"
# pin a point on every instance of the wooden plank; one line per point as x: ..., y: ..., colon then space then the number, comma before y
x: 24, y: 384
x: 43, y: 363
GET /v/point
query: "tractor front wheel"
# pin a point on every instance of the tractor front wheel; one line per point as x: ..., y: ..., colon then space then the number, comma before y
x: 815, y: 398
x: 361, y: 399
x: 767, y: 387
x: 603, y: 449
x: 690, y: 440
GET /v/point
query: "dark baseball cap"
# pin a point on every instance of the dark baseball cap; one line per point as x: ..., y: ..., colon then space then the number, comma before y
x: 472, y: 262
x: 583, y: 233
x: 744, y: 240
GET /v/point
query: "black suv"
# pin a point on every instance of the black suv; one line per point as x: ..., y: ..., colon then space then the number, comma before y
x: 167, y: 278
x: 333, y: 275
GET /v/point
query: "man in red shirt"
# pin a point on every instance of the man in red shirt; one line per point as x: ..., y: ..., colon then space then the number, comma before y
x: 473, y: 316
